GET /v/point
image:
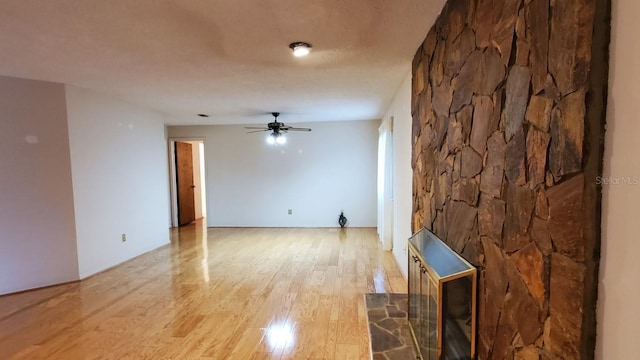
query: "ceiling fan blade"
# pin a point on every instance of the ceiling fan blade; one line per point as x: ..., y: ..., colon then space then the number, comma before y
x: 275, y: 126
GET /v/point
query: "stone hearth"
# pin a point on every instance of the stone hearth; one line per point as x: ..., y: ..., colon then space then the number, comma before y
x: 388, y: 327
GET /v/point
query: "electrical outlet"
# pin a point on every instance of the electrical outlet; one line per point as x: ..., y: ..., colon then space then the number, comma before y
x: 123, y: 237
x: 289, y: 212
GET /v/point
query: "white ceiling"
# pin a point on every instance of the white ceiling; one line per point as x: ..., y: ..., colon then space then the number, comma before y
x: 226, y: 58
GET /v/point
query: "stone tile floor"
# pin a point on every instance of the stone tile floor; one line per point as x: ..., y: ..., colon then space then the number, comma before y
x: 388, y: 327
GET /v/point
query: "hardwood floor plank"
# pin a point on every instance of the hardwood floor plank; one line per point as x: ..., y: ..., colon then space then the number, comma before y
x: 217, y: 293
x: 348, y: 352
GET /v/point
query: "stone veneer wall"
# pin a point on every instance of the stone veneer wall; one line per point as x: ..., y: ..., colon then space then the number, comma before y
x: 508, y: 120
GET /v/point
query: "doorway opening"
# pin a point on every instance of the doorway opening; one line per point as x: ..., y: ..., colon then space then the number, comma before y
x: 187, y: 181
x: 385, y: 183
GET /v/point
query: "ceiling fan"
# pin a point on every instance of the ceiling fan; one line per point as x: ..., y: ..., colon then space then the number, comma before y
x: 277, y: 129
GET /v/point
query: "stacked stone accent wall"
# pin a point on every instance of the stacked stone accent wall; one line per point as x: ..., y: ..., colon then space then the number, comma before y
x: 508, y: 113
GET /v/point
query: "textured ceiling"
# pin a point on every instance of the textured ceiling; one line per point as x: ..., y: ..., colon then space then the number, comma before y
x: 226, y: 58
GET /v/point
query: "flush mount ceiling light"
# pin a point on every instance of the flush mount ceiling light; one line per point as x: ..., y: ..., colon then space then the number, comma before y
x: 300, y: 48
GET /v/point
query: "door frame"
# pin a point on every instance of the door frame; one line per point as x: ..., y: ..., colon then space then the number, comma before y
x: 173, y: 185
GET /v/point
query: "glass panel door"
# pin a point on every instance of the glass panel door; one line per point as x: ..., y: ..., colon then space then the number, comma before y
x: 457, y: 318
x: 428, y: 317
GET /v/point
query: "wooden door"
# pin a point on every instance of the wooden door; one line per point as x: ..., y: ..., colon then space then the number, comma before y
x: 184, y: 179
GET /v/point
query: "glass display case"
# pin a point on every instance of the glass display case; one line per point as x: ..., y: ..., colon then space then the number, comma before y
x: 442, y: 299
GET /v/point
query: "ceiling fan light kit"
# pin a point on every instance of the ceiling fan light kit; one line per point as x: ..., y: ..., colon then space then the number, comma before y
x: 300, y: 48
x: 276, y: 139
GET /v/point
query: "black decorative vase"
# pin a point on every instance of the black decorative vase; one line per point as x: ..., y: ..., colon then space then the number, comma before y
x: 342, y: 220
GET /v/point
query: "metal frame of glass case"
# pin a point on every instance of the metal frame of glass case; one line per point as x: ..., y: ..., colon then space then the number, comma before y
x: 436, y: 268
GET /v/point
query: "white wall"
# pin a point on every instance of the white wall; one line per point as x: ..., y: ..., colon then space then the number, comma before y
x: 400, y: 110
x: 119, y: 170
x: 618, y: 312
x: 197, y: 191
x: 37, y: 229
x: 316, y: 174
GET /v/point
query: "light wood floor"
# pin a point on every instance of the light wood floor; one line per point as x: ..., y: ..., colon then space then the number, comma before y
x: 215, y: 293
